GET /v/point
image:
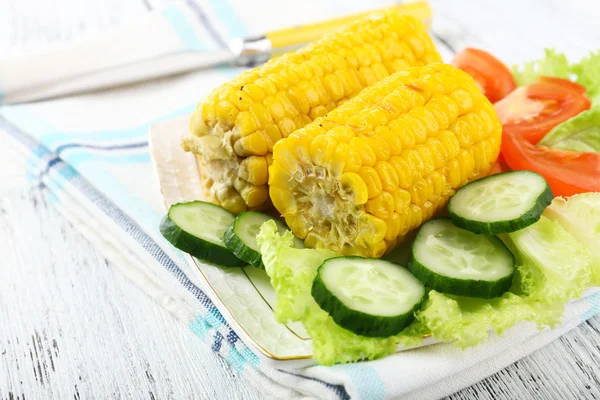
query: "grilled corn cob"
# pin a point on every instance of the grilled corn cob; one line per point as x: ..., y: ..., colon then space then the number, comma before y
x: 235, y: 127
x: 358, y: 179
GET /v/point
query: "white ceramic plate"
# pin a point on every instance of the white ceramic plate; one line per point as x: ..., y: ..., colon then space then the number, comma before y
x: 243, y: 295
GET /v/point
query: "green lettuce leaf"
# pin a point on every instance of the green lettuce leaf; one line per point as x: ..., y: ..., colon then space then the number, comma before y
x: 580, y: 133
x: 292, y: 272
x: 587, y: 72
x: 553, y: 64
x: 467, y: 321
x: 554, y: 267
x: 558, y: 266
x: 580, y: 215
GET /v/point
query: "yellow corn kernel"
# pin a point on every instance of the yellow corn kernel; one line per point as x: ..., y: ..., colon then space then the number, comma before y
x: 463, y: 100
x: 467, y: 165
x: 371, y: 179
x: 450, y: 143
x: 393, y: 142
x: 414, y: 161
x: 322, y: 149
x: 317, y: 112
x: 428, y: 209
x: 381, y: 206
x: 286, y: 127
x: 345, y: 159
x: 275, y: 108
x: 253, y: 144
x: 279, y: 177
x: 269, y: 158
x: 416, y: 217
x: 283, y: 200
x: 254, y: 170
x: 296, y: 224
x: 284, y: 153
x: 393, y: 226
x: 208, y: 112
x: 354, y: 188
x: 453, y: 174
x: 463, y: 132
x: 438, y: 181
x: 367, y: 155
x: 230, y: 199
x: 255, y: 196
x: 439, y: 155
x: 401, y: 200
x: 371, y: 229
x: 403, y: 131
x: 427, y: 158
x: 368, y: 76
x: 311, y: 240
x: 341, y: 134
x: 378, y: 249
x: 301, y: 121
x: 274, y: 135
x: 334, y: 86
x: 403, y: 171
x: 226, y: 113
x: 254, y: 91
x: 419, y: 192
x: 261, y: 114
x: 246, y: 123
x: 379, y: 147
x: 426, y: 118
x: 387, y: 175
x: 416, y: 127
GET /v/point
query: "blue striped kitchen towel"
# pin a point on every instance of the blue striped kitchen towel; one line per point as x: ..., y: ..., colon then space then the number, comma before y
x: 91, y: 153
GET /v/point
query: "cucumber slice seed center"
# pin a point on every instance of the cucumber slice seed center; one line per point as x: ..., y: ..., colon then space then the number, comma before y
x: 196, y: 220
x: 374, y: 287
x: 500, y: 197
x: 458, y: 253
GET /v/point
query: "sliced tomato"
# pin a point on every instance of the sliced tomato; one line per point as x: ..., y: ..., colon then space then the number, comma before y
x: 568, y: 84
x: 493, y: 78
x: 499, y: 167
x: 567, y: 172
x: 532, y: 111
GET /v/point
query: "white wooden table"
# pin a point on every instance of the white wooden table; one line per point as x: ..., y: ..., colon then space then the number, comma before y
x: 72, y: 327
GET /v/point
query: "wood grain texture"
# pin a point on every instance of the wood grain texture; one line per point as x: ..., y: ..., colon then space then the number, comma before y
x: 73, y: 327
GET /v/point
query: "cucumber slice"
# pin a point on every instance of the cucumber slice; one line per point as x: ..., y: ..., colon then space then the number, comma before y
x: 197, y: 228
x: 500, y: 203
x: 240, y: 237
x: 455, y: 261
x: 368, y: 296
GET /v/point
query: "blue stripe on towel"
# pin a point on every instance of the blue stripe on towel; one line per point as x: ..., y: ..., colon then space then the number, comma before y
x: 125, y: 146
x: 226, y: 14
x: 367, y: 381
x: 594, y: 302
x: 207, y: 23
x: 184, y: 29
x: 339, y: 390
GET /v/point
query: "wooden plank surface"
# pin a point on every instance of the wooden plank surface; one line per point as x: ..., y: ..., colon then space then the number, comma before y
x: 73, y: 327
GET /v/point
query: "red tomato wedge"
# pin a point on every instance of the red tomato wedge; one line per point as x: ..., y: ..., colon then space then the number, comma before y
x: 493, y: 78
x: 532, y: 111
x: 567, y: 172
